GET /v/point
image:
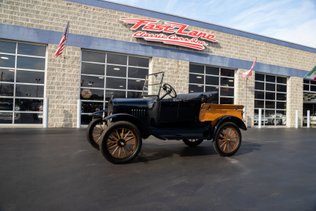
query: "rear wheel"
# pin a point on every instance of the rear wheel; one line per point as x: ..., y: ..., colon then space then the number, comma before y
x: 120, y: 142
x: 95, y: 130
x: 227, y: 139
x: 192, y: 142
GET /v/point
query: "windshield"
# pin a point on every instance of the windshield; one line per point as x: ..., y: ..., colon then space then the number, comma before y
x: 152, y: 85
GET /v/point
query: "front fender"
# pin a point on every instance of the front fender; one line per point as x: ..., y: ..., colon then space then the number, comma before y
x: 129, y: 118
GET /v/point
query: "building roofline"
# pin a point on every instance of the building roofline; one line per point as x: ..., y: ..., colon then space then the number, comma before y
x: 191, y: 22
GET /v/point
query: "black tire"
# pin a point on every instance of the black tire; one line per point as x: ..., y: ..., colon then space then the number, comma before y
x: 192, y: 142
x: 94, y: 132
x: 223, y: 142
x: 120, y: 138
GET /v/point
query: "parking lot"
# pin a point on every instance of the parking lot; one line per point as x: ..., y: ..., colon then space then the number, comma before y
x: 56, y: 169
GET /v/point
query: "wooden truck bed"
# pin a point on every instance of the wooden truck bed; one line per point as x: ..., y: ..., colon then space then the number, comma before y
x: 211, y: 112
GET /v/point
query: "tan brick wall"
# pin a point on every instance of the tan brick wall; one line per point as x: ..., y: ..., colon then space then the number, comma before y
x: 294, y: 101
x: 62, y: 86
x: 176, y: 72
x: 244, y: 95
x: 100, y: 22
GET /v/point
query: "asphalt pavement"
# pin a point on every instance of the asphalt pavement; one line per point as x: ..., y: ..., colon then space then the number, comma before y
x: 56, y: 169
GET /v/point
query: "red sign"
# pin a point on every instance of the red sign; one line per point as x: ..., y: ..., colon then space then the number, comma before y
x: 168, y: 33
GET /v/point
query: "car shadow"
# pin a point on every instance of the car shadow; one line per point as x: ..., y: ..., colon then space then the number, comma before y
x: 153, y: 152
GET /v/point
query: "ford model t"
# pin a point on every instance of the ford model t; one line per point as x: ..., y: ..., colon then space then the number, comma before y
x: 191, y: 118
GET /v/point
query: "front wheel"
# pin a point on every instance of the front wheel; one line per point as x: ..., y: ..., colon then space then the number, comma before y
x: 192, y: 142
x: 227, y: 139
x: 95, y: 130
x: 120, y: 142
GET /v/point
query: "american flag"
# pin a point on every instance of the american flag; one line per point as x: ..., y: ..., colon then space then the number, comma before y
x: 248, y: 73
x: 62, y: 42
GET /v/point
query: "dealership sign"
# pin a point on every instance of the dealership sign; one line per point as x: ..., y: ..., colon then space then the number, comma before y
x: 169, y: 33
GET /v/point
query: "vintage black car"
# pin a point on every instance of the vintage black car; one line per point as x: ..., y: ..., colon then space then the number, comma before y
x: 189, y: 117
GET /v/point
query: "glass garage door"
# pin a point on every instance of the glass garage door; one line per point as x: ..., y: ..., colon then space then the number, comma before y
x: 105, y: 75
x: 22, y: 79
x: 309, y: 99
x: 270, y: 96
x: 213, y: 79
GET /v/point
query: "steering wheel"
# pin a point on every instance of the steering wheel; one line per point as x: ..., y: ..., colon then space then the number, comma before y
x: 169, y: 91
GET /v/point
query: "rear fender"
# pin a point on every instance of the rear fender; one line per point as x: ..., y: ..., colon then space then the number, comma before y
x: 129, y: 118
x: 232, y: 119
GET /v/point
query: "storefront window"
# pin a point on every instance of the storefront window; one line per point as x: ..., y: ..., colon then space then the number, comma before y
x: 213, y: 79
x: 22, y: 79
x: 270, y: 96
x: 105, y: 75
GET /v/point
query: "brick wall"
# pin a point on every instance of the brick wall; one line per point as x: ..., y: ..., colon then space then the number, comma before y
x: 62, y: 86
x: 244, y: 95
x: 294, y: 101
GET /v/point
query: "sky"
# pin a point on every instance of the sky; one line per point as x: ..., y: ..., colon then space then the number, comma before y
x: 289, y: 20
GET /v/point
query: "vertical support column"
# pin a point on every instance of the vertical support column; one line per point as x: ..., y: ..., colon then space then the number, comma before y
x: 78, y: 113
x: 294, y: 102
x: 45, y: 112
x: 260, y: 118
x: 308, y: 118
x: 244, y: 95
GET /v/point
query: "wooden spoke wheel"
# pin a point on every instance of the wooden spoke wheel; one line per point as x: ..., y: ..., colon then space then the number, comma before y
x: 192, y: 142
x: 121, y: 142
x: 95, y: 130
x: 227, y: 139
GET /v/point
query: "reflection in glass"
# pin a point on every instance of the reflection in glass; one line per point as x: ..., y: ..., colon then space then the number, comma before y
x: 29, y: 118
x: 6, y: 117
x: 93, y: 56
x: 270, y: 78
x: 227, y: 91
x: 95, y: 69
x: 30, y: 77
x: 196, y: 68
x: 227, y: 72
x: 270, y: 95
x: 259, y: 77
x: 136, y: 61
x: 227, y: 82
x: 28, y: 49
x: 136, y: 84
x: 281, y: 80
x: 6, y: 104
x: 196, y: 88
x: 259, y: 95
x: 270, y: 104
x: 92, y: 81
x: 92, y: 94
x: 137, y: 72
x: 114, y: 94
x: 211, y: 80
x: 29, y: 90
x: 134, y: 94
x: 227, y: 100
x: 115, y: 83
x: 259, y: 104
x: 116, y: 59
x: 281, y: 96
x: 6, y: 89
x: 7, y: 60
x: 31, y: 63
x: 270, y: 87
x: 259, y: 85
x: 198, y: 79
x: 7, y: 75
x: 7, y: 47
x: 28, y: 105
x: 90, y: 107
x: 281, y: 88
x: 112, y: 70
x: 212, y: 70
